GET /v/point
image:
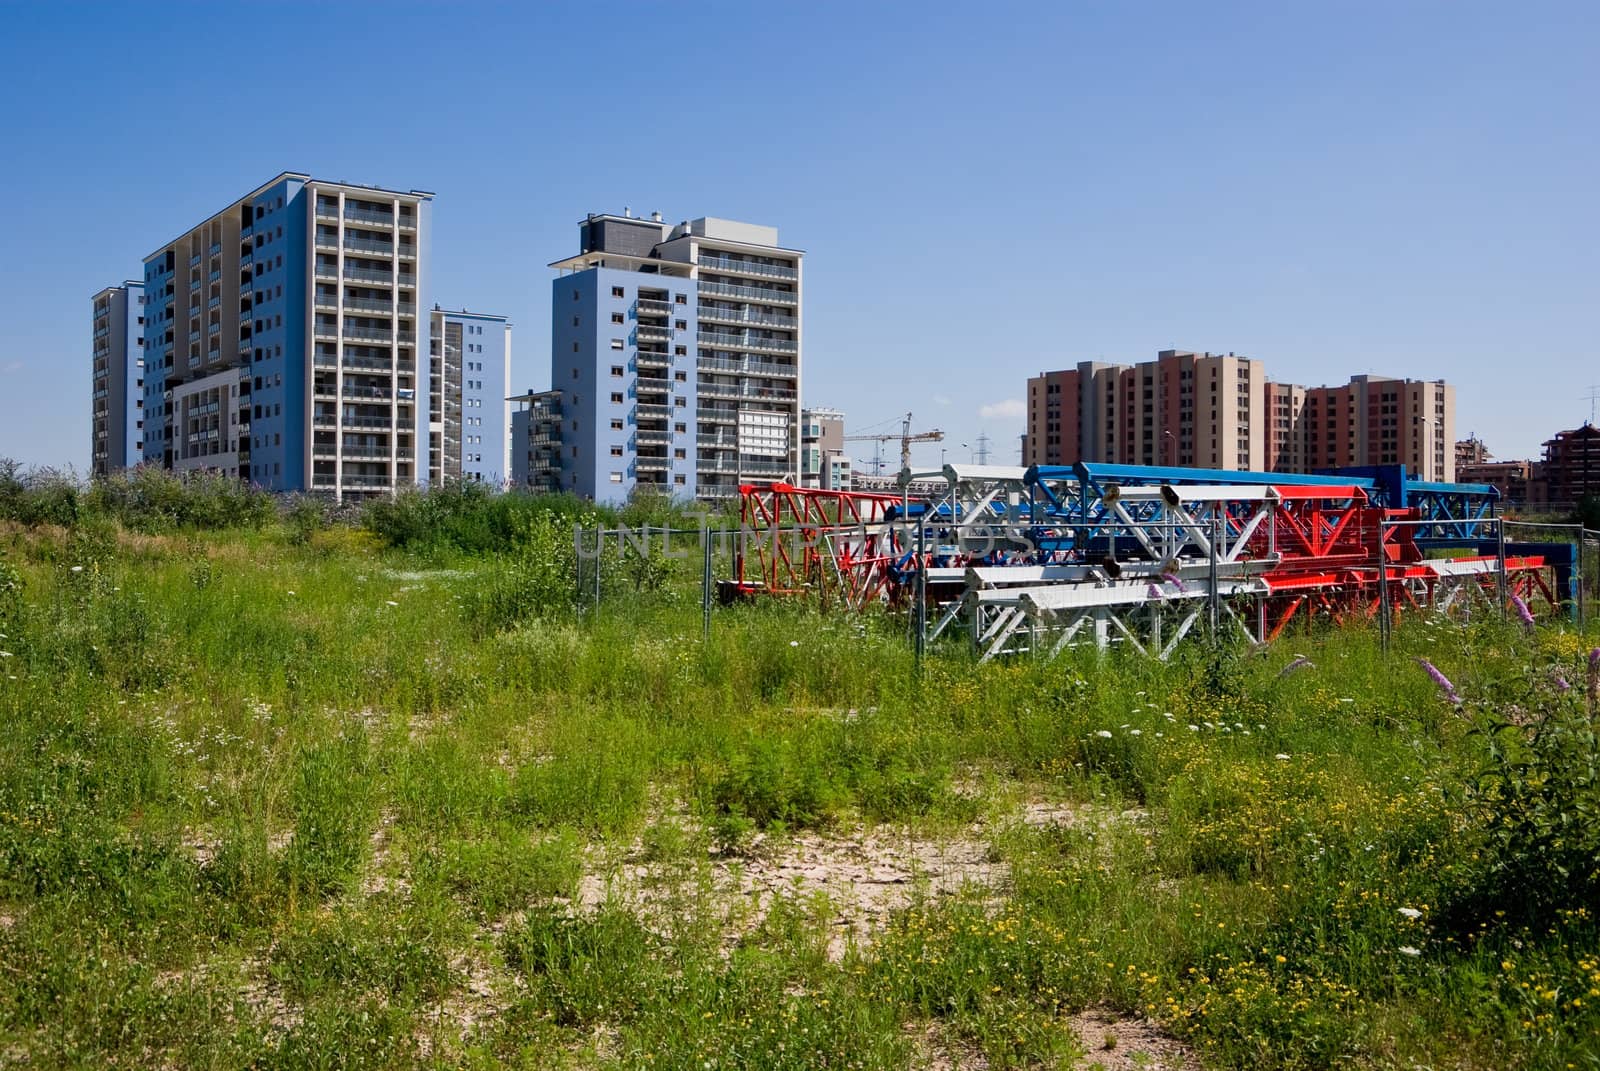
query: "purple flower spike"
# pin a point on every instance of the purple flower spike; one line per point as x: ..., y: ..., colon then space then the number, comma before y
x: 1154, y: 592
x: 1523, y: 612
x: 1562, y: 685
x: 1448, y: 689
x: 1172, y: 578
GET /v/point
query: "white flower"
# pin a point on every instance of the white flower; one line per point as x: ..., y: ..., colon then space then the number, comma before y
x: 1104, y: 734
x: 794, y: 643
x: 1347, y: 700
x: 77, y: 568
x: 390, y: 602
x: 1410, y: 912
x: 1194, y: 728
x: 288, y: 593
x: 1135, y: 732
x: 1407, y: 950
x: 1281, y: 757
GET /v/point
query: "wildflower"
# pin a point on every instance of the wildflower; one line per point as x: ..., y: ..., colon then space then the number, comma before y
x: 794, y: 643
x: 1135, y: 732
x: 1152, y: 592
x: 1281, y: 757
x: 1407, y: 950
x: 1300, y: 662
x: 1561, y: 684
x: 390, y: 602
x: 5, y: 654
x: 1104, y: 734
x: 288, y: 593
x: 1410, y: 912
x: 1445, y: 687
x: 1525, y: 614
x: 1194, y: 728
x: 1173, y: 579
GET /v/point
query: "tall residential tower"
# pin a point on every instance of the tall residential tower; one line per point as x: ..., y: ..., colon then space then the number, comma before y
x: 676, y: 350
x: 282, y: 339
x: 117, y: 395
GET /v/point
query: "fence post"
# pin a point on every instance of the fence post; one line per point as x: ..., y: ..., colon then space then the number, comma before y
x: 1215, y: 598
x: 599, y: 551
x: 1500, y: 575
x: 1384, y: 610
x: 922, y: 591
x: 705, y: 586
x: 577, y: 552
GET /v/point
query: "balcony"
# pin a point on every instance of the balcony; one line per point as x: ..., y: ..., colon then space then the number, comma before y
x: 371, y: 277
x: 652, y: 306
x: 736, y: 316
x: 370, y: 334
x: 650, y: 464
x: 368, y: 217
x: 750, y: 293
x: 646, y: 409
x: 648, y: 333
x: 368, y: 246
x: 647, y: 359
x: 327, y: 241
x: 649, y: 437
x: 747, y: 267
x: 756, y: 368
x: 332, y: 420
x: 729, y: 390
x: 746, y: 342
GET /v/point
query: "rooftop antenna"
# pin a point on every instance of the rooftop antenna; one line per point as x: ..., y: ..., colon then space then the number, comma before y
x: 1594, y: 396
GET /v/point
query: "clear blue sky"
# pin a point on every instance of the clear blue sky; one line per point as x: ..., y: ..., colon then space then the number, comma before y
x: 983, y: 190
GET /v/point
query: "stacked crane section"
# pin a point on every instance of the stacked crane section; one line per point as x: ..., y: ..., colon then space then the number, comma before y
x: 1043, y: 558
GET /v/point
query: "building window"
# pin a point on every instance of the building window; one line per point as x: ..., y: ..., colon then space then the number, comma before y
x: 575, y: 323
x: 680, y: 428
x: 680, y: 402
x: 680, y: 299
x: 678, y: 454
x: 682, y: 325
x: 616, y: 343
x: 616, y: 477
x: 616, y: 370
x: 616, y: 425
x: 616, y: 398
x: 616, y: 317
x: 681, y: 377
x: 616, y: 291
x: 616, y: 451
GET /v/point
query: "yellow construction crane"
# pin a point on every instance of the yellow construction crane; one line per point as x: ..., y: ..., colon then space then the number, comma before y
x: 906, y: 439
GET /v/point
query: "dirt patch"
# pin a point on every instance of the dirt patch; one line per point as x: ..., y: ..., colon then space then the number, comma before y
x: 935, y: 1049
x: 377, y: 877
x: 858, y: 875
x: 1116, y: 1042
x: 203, y: 844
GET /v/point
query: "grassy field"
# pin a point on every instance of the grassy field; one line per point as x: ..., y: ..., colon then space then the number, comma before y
x: 288, y: 797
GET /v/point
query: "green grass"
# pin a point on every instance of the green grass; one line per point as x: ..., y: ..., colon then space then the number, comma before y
x: 280, y: 797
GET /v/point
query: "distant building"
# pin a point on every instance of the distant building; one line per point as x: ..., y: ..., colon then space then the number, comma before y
x: 536, y: 441
x: 823, y: 461
x: 1183, y: 408
x: 117, y: 394
x: 470, y: 407
x: 1511, y: 478
x: 1570, y: 470
x: 1218, y: 411
x: 1471, y: 451
x: 1376, y: 420
x: 677, y: 353
x: 282, y: 337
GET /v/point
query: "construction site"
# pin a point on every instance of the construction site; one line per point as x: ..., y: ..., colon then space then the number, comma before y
x: 1034, y: 560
